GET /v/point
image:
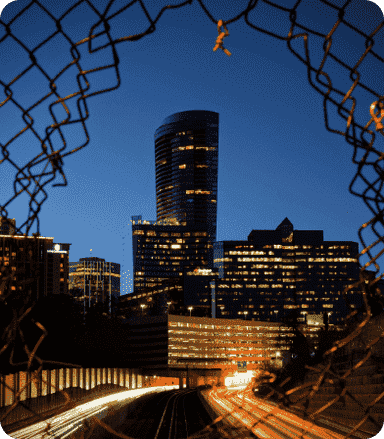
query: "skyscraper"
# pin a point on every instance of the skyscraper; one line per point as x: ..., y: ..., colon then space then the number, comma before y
x: 94, y: 280
x: 186, y: 153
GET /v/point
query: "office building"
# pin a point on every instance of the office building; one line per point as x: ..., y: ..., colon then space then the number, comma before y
x: 93, y: 280
x: 163, y: 252
x: 57, y: 268
x: 34, y: 257
x: 186, y: 152
x: 188, y: 294
x: 276, y: 271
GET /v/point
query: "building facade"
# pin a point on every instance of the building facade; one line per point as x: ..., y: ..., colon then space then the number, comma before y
x: 57, y: 268
x: 276, y: 271
x: 163, y: 252
x: 93, y: 280
x: 176, y: 341
x: 35, y: 258
x: 186, y: 153
x: 188, y: 294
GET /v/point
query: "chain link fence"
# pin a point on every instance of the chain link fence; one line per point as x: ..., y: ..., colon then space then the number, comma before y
x: 359, y: 132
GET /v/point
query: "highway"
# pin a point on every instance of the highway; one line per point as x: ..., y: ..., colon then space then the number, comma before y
x: 242, y: 409
x: 72, y: 421
x: 169, y: 412
x: 157, y: 413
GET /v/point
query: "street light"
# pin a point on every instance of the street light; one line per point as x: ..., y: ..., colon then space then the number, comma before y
x: 142, y: 308
x: 245, y: 315
x: 190, y: 310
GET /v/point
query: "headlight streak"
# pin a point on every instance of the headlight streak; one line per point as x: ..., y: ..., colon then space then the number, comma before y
x: 64, y: 424
x: 281, y: 422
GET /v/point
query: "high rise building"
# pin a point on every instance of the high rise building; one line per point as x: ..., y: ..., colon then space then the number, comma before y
x: 92, y: 280
x: 276, y: 271
x: 186, y: 153
x: 33, y: 257
x: 57, y: 268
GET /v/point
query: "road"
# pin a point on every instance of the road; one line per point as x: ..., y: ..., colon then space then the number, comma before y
x: 71, y: 422
x: 156, y: 413
x: 266, y: 420
x: 150, y: 413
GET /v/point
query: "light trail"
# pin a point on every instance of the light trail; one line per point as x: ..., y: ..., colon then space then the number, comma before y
x: 278, y: 424
x: 64, y: 424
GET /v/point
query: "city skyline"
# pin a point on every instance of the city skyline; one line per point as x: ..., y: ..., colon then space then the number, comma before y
x: 276, y: 157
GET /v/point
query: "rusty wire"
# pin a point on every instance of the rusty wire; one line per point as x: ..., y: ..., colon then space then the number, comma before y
x: 360, y: 135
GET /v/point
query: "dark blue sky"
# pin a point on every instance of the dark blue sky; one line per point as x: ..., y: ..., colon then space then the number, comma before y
x: 276, y: 158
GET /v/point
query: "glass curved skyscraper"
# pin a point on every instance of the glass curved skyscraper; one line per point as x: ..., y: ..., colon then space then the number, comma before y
x: 180, y: 242
x: 186, y: 152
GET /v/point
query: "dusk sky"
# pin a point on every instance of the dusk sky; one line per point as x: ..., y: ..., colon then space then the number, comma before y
x: 276, y: 158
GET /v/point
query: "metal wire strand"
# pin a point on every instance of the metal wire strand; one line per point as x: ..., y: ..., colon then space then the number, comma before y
x: 361, y: 135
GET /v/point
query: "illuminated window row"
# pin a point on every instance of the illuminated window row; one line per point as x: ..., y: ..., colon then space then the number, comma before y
x: 290, y: 247
x: 332, y: 260
x: 247, y: 253
x: 166, y: 235
x: 197, y: 191
x: 184, y: 166
x: 206, y: 148
x: 260, y: 259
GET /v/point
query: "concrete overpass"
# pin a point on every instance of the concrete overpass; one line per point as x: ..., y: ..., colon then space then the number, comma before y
x: 192, y: 376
